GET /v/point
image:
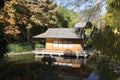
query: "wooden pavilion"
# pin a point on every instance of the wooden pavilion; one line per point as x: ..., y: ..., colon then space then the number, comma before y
x: 62, y: 41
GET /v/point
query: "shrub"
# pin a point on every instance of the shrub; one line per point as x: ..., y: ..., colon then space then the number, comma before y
x: 19, y: 48
x: 39, y: 46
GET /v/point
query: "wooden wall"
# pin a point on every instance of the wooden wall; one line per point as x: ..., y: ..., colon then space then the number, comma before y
x: 76, y: 44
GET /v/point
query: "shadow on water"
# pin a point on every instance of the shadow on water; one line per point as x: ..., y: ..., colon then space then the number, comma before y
x: 82, y: 68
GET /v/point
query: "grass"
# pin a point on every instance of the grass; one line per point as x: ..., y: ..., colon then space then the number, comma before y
x: 19, y: 48
x: 23, y: 58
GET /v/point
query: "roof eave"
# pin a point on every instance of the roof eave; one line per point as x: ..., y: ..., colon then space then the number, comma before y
x: 57, y: 37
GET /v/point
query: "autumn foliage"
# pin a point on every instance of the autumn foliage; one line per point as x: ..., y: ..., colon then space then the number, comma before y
x: 19, y: 13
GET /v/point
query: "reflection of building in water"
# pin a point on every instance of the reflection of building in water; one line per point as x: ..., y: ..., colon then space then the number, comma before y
x: 83, y: 61
x: 70, y: 62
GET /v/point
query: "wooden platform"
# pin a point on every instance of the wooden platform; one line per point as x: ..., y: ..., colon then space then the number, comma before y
x: 44, y: 52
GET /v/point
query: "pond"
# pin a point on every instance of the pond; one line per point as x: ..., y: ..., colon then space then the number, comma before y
x: 82, y: 68
x: 92, y: 76
x: 25, y: 67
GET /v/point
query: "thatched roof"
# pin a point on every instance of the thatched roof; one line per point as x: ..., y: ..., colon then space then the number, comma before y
x: 59, y: 33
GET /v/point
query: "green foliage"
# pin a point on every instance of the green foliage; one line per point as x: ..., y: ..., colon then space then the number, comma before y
x: 113, y: 13
x: 19, y: 48
x: 21, y: 58
x: 19, y: 8
x: 89, y: 42
x: 113, y: 4
x: 66, y: 18
x: 112, y: 19
x: 107, y: 42
x: 105, y: 70
x: 39, y: 46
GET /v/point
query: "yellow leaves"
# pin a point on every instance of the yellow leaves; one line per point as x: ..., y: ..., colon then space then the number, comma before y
x: 54, y: 17
x: 11, y: 15
x: 11, y: 21
x: 34, y: 19
x: 18, y: 13
x: 113, y: 16
x: 113, y: 4
x: 11, y: 18
x: 1, y: 18
x: 116, y: 31
x: 44, y: 14
x: 109, y: 1
x: 51, y: 22
x: 8, y: 7
x: 41, y: 5
x: 45, y: 24
x: 54, y: 12
x: 29, y: 26
x: 88, y: 31
x: 13, y: 30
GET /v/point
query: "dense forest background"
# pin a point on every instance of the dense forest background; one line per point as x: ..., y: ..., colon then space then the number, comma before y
x: 21, y: 20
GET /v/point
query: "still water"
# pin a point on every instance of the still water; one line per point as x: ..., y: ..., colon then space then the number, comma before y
x: 71, y: 61
x: 85, y: 66
x: 82, y: 68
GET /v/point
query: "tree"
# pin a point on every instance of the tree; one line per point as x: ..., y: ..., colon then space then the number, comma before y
x: 3, y: 47
x: 12, y: 15
x: 29, y: 26
x: 2, y: 4
x: 114, y: 4
x: 43, y: 13
x: 92, y: 14
x: 107, y: 41
x: 112, y: 16
x: 66, y: 18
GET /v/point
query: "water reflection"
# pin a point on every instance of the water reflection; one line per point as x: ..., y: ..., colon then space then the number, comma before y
x: 92, y: 76
x: 71, y: 61
x: 72, y: 66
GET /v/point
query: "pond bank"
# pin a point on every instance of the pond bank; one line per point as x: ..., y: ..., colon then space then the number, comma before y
x: 14, y: 53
